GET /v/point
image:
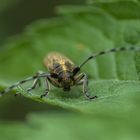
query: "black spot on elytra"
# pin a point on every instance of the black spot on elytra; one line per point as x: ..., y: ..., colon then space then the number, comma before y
x: 56, y: 65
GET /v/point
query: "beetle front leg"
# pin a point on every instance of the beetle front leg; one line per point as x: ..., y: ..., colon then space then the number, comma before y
x: 82, y: 79
x: 35, y: 83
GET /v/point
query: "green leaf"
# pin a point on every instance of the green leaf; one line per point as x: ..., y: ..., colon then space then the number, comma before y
x: 80, y: 32
x: 121, y: 9
x: 76, y: 127
x: 109, y: 1
x: 113, y: 95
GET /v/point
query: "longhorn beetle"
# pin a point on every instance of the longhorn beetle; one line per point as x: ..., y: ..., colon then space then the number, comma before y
x: 63, y: 73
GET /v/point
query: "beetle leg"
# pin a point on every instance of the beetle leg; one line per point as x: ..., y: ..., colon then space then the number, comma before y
x: 78, y: 79
x: 47, y: 89
x: 23, y: 81
x: 82, y: 79
x: 17, y: 93
x: 35, y: 82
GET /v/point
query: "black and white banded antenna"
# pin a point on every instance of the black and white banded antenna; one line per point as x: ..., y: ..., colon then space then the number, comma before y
x: 131, y: 48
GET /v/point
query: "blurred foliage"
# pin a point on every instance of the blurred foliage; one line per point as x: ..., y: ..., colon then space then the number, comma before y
x: 108, y: 1
x: 67, y: 127
x: 5, y: 4
x: 16, y: 14
x: 114, y: 78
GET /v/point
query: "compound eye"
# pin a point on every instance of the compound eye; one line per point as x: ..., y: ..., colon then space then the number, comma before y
x: 76, y: 70
x: 54, y: 75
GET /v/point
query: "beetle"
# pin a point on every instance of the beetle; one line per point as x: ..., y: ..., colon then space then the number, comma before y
x: 63, y: 73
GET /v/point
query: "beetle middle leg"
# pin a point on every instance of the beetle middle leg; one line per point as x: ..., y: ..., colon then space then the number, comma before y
x: 82, y: 79
x: 52, y: 81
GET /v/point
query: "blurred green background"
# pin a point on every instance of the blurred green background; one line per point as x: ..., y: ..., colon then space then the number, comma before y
x: 16, y: 14
x: 30, y: 29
